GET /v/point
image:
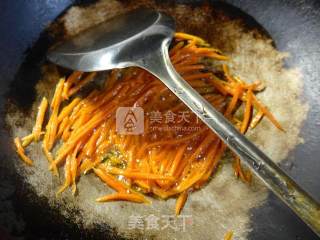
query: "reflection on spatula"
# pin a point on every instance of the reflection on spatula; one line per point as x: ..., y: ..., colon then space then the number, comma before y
x: 141, y: 38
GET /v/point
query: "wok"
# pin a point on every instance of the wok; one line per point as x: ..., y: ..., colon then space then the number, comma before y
x: 293, y: 25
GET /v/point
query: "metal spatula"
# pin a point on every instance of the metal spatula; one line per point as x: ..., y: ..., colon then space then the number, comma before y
x: 141, y: 38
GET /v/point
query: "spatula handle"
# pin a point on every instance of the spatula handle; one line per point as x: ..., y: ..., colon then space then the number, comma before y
x: 277, y: 180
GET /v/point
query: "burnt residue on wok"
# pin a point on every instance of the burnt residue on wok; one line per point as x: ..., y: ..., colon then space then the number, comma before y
x: 49, y: 222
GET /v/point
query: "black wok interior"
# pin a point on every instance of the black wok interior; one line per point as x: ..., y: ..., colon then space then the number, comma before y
x: 294, y: 25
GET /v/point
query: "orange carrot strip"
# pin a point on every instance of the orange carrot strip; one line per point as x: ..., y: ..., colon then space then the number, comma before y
x: 234, y: 101
x: 57, y: 94
x: 188, y: 61
x: 256, y: 119
x: 21, y: 153
x: 51, y: 128
x: 40, y: 118
x: 136, y: 174
x: 144, y: 184
x: 50, y: 159
x: 68, y: 109
x: 74, y: 168
x: 202, y: 147
x: 82, y: 83
x: 110, y: 180
x: 185, y: 36
x: 227, y: 74
x: 210, y: 52
x: 239, y: 172
x: 220, y: 86
x: 92, y: 143
x: 67, y: 176
x: 247, y: 112
x: 177, y: 160
x: 166, y: 160
x: 66, y: 132
x: 188, y: 182
x: 175, y: 141
x: 265, y: 111
x: 143, y: 179
x: 121, y: 196
x: 70, y: 81
x: 27, y: 140
x: 214, y: 163
x: 183, y: 69
x: 62, y: 127
x: 153, y: 159
x: 176, y: 48
x: 86, y: 164
x: 164, y: 194
x: 228, y: 235
x: 181, y: 201
x: 111, y: 80
x: 198, y: 83
x: 216, y: 56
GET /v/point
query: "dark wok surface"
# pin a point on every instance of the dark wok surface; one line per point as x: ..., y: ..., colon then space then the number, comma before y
x: 295, y: 28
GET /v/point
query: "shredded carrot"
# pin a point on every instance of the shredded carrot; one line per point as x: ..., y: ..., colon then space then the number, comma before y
x: 228, y: 235
x: 63, y: 125
x: 74, y: 167
x: 109, y: 180
x: 247, y: 112
x: 81, y: 84
x: 176, y: 48
x: 50, y: 159
x: 185, y: 36
x: 68, y: 109
x: 27, y: 140
x: 266, y: 112
x: 131, y: 197
x: 137, y: 175
x: 256, y: 119
x: 245, y: 176
x: 181, y: 200
x: 40, y: 118
x: 67, y: 176
x: 226, y: 73
x: 233, y: 101
x: 52, y: 126
x: 177, y: 160
x: 21, y: 152
x: 70, y: 81
x: 174, y: 156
